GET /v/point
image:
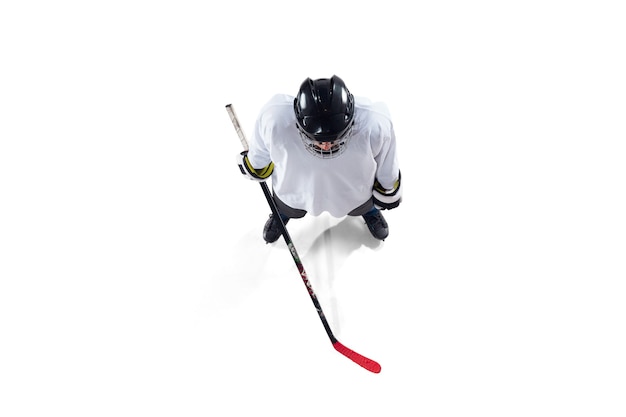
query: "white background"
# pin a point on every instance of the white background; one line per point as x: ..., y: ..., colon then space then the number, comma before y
x: 134, y: 279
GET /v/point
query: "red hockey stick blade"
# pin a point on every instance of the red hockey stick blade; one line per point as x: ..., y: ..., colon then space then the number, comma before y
x: 357, y: 358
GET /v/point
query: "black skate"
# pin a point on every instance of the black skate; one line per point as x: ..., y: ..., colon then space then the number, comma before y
x: 271, y: 231
x: 377, y: 225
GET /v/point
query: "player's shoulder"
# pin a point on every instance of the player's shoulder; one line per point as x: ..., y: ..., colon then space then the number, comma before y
x: 372, y: 108
x: 371, y: 112
x: 277, y: 110
x: 278, y: 103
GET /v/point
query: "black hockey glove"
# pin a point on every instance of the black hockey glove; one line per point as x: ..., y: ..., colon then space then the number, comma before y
x: 387, y: 199
x: 253, y: 174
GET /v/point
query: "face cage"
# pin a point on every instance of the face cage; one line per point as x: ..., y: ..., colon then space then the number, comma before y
x: 339, y: 145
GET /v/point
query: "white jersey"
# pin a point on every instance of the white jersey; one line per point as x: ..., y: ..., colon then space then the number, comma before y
x: 338, y: 185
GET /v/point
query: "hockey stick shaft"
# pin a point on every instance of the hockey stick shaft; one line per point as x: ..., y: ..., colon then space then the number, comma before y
x: 284, y: 232
x: 361, y: 360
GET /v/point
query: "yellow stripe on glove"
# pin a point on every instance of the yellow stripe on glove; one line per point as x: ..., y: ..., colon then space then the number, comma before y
x: 246, y: 168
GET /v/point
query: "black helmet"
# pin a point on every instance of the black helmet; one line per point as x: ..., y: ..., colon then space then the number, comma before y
x: 324, y: 113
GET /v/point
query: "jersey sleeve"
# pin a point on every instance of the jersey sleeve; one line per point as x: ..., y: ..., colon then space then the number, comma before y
x: 258, y: 152
x: 267, y: 128
x: 388, y: 167
x: 260, y: 143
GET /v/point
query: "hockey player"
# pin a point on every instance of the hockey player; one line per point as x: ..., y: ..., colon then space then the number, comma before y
x: 325, y: 151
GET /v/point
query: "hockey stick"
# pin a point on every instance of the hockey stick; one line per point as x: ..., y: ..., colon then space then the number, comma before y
x: 361, y: 360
